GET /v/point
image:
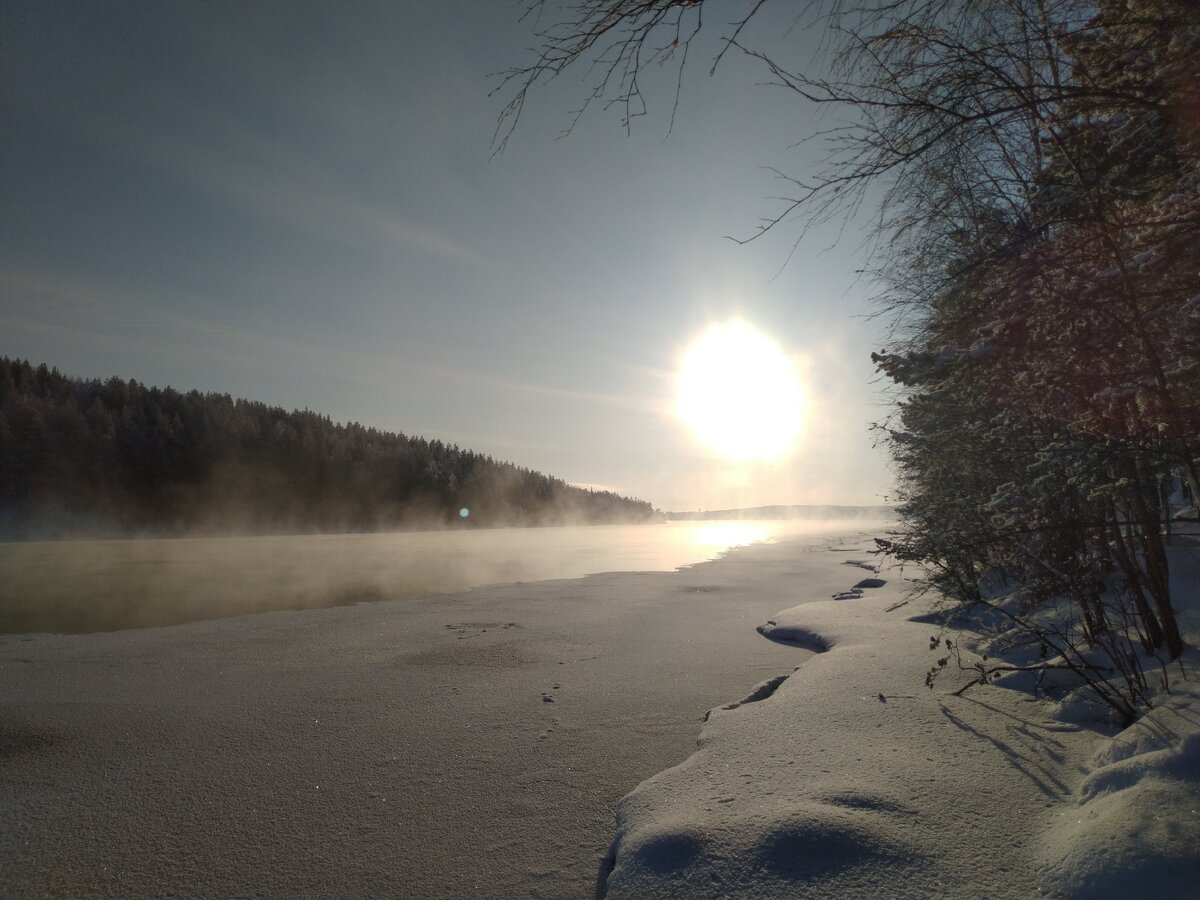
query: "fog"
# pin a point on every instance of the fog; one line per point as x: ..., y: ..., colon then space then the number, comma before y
x: 87, y: 586
x: 831, y: 515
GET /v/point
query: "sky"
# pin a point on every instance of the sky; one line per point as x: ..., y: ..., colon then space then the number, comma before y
x: 298, y: 203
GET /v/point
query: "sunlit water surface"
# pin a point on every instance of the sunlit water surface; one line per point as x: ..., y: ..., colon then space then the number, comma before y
x: 84, y: 586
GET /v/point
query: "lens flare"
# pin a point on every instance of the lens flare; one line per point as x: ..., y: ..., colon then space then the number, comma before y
x: 740, y: 394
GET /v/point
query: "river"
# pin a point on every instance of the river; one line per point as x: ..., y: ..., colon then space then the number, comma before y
x: 469, y: 744
x: 89, y: 586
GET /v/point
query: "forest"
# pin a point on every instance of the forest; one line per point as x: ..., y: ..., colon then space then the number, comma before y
x: 115, y: 458
x: 1042, y: 262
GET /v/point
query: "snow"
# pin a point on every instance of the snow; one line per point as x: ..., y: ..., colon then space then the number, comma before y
x: 477, y: 745
x: 848, y: 778
x: 1133, y: 831
x: 402, y: 748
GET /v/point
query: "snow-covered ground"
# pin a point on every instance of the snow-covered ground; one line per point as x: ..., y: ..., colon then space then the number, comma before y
x: 477, y: 745
x: 849, y: 778
x: 463, y: 745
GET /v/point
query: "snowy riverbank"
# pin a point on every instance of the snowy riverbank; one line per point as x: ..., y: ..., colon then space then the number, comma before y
x: 849, y: 778
x: 461, y: 745
x: 477, y: 745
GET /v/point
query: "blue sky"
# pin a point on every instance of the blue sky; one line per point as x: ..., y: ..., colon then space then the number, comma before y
x: 297, y: 203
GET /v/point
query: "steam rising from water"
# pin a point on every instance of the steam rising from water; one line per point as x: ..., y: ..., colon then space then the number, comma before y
x: 84, y: 586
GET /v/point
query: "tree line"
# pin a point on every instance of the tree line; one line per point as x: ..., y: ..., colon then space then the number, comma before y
x: 1043, y: 254
x: 115, y: 458
x: 1036, y: 250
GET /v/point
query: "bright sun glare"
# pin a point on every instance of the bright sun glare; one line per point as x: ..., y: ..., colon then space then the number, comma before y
x: 740, y: 394
x: 730, y: 534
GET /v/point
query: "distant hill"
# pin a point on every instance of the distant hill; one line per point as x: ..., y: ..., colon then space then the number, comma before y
x: 788, y: 512
x: 114, y: 458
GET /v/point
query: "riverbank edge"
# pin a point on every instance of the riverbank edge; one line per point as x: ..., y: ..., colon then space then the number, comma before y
x: 1117, y: 812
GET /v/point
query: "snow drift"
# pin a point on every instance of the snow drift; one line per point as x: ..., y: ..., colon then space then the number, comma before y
x: 849, y: 778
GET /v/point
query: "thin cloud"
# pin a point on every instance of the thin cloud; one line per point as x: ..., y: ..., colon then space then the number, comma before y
x: 176, y: 333
x: 247, y: 168
x: 255, y: 175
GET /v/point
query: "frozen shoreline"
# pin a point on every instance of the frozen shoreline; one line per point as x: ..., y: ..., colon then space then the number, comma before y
x: 851, y: 779
x: 478, y: 745
x: 473, y: 744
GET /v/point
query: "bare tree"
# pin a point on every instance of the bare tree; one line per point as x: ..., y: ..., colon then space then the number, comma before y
x: 616, y: 41
x: 1040, y: 184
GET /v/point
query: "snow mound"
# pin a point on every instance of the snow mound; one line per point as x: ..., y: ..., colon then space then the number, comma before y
x: 817, y: 844
x: 855, y: 781
x: 844, y: 784
x: 1136, y: 826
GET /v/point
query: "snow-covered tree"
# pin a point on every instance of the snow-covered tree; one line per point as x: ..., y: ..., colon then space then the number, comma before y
x: 1039, y: 164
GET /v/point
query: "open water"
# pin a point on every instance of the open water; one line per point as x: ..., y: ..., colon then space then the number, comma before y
x: 87, y: 586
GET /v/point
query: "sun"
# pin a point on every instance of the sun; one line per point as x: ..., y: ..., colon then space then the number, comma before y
x: 740, y: 394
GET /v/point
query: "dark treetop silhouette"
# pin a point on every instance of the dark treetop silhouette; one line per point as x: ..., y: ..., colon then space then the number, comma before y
x: 87, y: 458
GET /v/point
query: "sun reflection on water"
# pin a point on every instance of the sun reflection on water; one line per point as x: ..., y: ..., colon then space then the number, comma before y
x: 730, y: 534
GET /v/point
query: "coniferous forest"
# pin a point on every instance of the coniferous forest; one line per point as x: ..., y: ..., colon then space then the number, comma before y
x: 86, y: 458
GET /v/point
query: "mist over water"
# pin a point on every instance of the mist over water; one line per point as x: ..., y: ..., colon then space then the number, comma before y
x: 87, y: 586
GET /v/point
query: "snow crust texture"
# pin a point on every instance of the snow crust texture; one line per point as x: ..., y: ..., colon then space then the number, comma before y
x: 851, y: 779
x: 455, y: 746
x: 1135, y: 829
